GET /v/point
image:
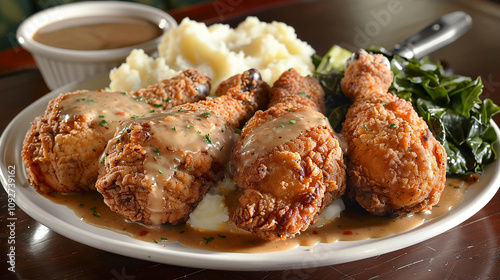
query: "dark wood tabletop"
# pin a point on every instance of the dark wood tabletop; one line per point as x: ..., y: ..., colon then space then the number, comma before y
x: 470, y: 250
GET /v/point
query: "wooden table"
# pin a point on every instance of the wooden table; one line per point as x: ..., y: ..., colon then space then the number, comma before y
x: 471, y: 250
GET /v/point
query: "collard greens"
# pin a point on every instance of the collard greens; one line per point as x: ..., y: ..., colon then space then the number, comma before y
x: 450, y: 105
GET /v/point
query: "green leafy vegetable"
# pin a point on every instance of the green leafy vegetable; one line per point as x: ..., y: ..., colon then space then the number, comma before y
x: 450, y: 105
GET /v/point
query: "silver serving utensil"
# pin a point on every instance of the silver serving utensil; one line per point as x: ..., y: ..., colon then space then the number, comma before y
x: 438, y: 34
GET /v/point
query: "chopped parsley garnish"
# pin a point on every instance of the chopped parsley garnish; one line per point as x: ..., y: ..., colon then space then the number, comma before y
x: 103, y: 123
x: 392, y: 125
x: 189, y: 126
x: 159, y: 171
x: 157, y: 152
x: 140, y: 98
x: 157, y: 105
x: 292, y: 121
x: 208, y: 239
x: 94, y: 212
x: 189, y: 167
x: 207, y: 114
x: 173, y: 128
x: 86, y: 99
x: 198, y: 119
x: 134, y: 117
x: 237, y: 130
x: 101, y: 116
x: 207, y: 139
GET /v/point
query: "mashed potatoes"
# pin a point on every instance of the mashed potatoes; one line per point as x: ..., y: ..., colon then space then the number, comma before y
x: 219, y: 52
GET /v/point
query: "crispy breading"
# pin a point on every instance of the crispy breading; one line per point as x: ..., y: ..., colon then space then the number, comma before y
x: 395, y: 165
x: 287, y: 161
x: 62, y: 149
x: 184, y: 168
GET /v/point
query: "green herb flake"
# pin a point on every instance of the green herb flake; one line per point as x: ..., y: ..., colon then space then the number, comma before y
x: 134, y: 117
x: 94, y: 150
x: 208, y: 239
x: 159, y: 171
x: 101, y: 116
x: 221, y: 236
x: 282, y: 125
x: 292, y: 121
x: 86, y: 99
x: 237, y: 130
x: 366, y: 128
x: 156, y: 151
x: 207, y: 139
x: 157, y: 105
x: 207, y: 114
x: 140, y: 98
x: 189, y: 126
x: 173, y: 128
x: 189, y: 167
x: 198, y: 119
x: 94, y: 212
x: 392, y: 125
x: 163, y: 239
x: 199, y: 132
x: 302, y: 93
x: 103, y: 123
x: 384, y: 103
x: 81, y: 205
x: 124, y: 93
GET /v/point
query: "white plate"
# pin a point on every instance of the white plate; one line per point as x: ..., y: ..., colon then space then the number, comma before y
x: 63, y: 220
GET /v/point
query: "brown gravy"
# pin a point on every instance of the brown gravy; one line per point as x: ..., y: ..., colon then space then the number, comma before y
x: 97, y: 33
x: 352, y: 225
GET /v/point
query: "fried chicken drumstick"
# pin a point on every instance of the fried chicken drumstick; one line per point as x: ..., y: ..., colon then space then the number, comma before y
x: 288, y: 161
x: 61, y: 151
x: 394, y: 163
x: 158, y: 168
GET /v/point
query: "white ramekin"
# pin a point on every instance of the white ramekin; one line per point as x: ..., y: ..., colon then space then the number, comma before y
x: 61, y: 66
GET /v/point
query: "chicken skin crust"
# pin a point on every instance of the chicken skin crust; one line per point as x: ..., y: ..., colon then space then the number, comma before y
x: 287, y: 161
x: 158, y: 168
x: 394, y: 163
x: 62, y: 149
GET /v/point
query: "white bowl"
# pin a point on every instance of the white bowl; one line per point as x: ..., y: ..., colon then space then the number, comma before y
x: 62, y: 66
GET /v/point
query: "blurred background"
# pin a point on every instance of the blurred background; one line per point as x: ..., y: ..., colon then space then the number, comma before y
x: 13, y: 12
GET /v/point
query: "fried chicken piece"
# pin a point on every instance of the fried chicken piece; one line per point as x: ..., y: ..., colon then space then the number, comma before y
x: 395, y: 165
x: 158, y: 168
x: 288, y: 161
x: 62, y: 149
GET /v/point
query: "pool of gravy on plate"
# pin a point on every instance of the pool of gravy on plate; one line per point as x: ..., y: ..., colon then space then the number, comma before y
x: 97, y: 33
x: 351, y: 226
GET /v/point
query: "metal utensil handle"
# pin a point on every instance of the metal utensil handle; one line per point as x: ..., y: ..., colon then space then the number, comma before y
x: 440, y: 33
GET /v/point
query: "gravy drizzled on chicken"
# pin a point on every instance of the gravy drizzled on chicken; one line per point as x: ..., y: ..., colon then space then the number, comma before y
x: 395, y: 165
x: 158, y: 168
x: 288, y: 161
x: 61, y: 151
